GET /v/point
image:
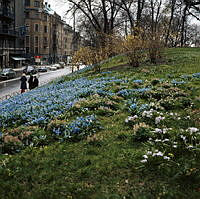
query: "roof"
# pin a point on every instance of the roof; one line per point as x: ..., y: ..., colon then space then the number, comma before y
x: 48, y: 9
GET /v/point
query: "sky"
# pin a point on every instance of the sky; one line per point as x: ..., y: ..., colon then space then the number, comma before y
x: 60, y: 8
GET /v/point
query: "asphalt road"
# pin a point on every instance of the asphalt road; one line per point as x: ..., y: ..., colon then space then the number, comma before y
x: 12, y: 87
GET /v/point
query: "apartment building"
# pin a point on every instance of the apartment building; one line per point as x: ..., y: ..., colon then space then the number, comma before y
x: 48, y: 38
x: 7, y: 31
x: 67, y: 42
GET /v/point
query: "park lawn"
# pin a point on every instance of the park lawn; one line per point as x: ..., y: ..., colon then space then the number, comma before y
x: 129, y: 133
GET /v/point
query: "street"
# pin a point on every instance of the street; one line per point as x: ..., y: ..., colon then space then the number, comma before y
x: 12, y: 87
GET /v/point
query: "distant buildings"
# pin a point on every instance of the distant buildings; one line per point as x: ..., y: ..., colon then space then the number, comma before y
x: 9, y: 32
x: 30, y: 30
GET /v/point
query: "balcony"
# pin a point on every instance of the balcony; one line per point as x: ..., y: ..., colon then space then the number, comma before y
x: 7, y: 14
x: 8, y: 33
x: 45, y: 43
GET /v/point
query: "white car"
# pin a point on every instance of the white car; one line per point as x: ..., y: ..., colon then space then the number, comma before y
x: 52, y: 67
x: 58, y: 66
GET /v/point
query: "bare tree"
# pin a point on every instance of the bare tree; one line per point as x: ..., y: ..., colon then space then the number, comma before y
x: 101, y: 14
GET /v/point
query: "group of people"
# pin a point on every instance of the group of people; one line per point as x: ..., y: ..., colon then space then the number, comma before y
x: 33, y: 82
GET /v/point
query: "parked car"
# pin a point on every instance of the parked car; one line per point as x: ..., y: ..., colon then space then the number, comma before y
x: 30, y: 70
x: 7, y: 73
x: 52, y: 67
x: 58, y: 66
x: 62, y: 64
x: 42, y: 69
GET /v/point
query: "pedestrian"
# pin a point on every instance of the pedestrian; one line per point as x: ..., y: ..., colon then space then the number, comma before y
x: 23, y: 86
x: 30, y: 82
x: 35, y: 82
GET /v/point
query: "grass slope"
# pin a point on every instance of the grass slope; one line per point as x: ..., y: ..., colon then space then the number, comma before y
x: 153, y: 109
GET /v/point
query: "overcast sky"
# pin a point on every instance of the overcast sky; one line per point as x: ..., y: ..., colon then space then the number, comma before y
x: 60, y: 9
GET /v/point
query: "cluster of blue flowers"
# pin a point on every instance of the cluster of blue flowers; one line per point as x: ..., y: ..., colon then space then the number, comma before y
x: 174, y: 82
x: 41, y: 105
x: 83, y: 125
x: 135, y: 108
x: 138, y: 81
x: 127, y: 93
x: 197, y: 75
x: 80, y: 127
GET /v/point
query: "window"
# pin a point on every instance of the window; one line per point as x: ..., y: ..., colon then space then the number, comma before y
x: 27, y: 41
x: 36, y: 41
x: 36, y: 4
x: 36, y: 50
x: 37, y: 15
x: 27, y: 14
x: 36, y: 27
x: 45, y: 29
x: 27, y: 28
x: 45, y: 18
x: 45, y: 39
x: 27, y: 50
x: 27, y: 2
x: 45, y: 42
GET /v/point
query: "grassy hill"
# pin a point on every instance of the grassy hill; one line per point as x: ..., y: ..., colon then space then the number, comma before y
x: 123, y: 133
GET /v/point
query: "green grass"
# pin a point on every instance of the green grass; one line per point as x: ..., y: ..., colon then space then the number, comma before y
x: 107, y: 165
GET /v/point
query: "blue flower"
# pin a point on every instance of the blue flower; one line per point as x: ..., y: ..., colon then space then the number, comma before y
x: 177, y: 82
x: 139, y: 81
x: 197, y: 75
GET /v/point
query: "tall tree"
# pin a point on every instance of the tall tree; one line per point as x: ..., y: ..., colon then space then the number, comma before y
x: 101, y: 14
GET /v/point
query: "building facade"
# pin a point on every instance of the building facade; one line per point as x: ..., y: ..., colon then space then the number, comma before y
x: 7, y: 31
x: 48, y: 38
x: 12, y: 32
x: 30, y: 30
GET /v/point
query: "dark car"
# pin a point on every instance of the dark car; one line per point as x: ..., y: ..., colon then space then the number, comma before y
x: 7, y: 73
x: 42, y: 69
x: 30, y: 70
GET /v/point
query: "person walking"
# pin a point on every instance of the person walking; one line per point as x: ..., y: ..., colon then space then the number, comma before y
x: 35, y: 82
x: 23, y: 86
x: 30, y: 82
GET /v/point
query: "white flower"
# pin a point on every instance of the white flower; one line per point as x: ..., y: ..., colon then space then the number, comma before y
x: 165, y: 130
x: 193, y: 129
x: 145, y: 156
x: 174, y: 146
x: 166, y: 140
x: 159, y: 153
x: 143, y: 161
x: 157, y: 130
x: 158, y: 119
x: 166, y: 158
x: 149, y: 152
x: 190, y: 147
x: 183, y: 137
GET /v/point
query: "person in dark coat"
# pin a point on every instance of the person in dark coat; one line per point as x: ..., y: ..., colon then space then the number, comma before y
x: 23, y: 86
x: 30, y: 82
x: 35, y: 82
